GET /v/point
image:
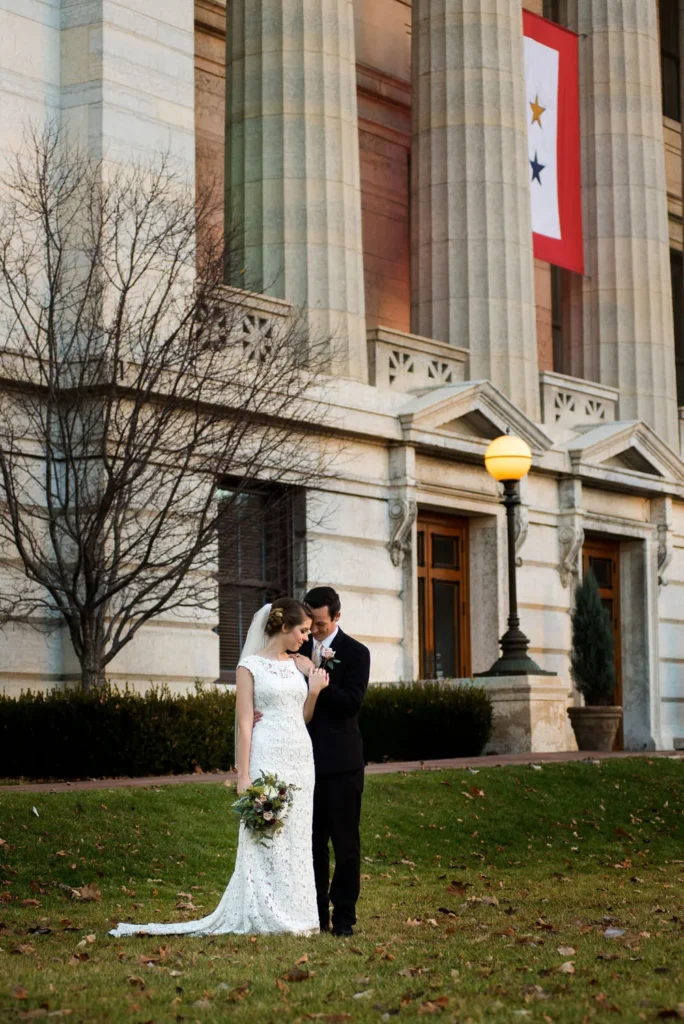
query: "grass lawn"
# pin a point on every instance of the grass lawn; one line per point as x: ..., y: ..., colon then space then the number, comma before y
x: 489, y: 896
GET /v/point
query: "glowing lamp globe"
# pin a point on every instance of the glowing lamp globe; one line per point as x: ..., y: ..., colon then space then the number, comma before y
x: 508, y: 458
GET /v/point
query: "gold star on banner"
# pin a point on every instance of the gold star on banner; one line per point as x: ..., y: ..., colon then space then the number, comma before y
x: 537, y: 111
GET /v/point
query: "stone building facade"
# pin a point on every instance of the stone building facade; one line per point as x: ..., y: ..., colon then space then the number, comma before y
x: 375, y: 154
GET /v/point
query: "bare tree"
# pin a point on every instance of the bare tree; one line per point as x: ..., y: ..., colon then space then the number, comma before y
x: 129, y: 385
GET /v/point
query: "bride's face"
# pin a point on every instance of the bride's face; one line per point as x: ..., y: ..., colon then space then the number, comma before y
x: 298, y: 636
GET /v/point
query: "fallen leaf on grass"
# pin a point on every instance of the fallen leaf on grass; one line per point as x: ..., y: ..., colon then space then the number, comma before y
x: 567, y: 968
x: 88, y: 893
x: 202, y: 1004
x: 535, y: 992
x: 330, y: 1018
x: 236, y: 995
x: 31, y: 903
x: 614, y: 933
x: 135, y: 981
x: 298, y: 975
x: 566, y: 951
x: 19, y: 992
x: 24, y: 948
x: 362, y: 995
x: 672, y: 1013
x: 434, y: 1006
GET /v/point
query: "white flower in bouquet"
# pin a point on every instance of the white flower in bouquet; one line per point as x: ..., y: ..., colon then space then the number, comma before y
x: 268, y: 815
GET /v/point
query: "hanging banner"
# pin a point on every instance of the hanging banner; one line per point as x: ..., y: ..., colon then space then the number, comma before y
x: 553, y: 141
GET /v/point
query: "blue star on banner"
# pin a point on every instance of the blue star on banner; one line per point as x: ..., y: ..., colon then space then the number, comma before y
x: 537, y: 168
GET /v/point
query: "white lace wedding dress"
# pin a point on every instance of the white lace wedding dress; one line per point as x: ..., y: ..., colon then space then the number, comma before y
x: 272, y: 889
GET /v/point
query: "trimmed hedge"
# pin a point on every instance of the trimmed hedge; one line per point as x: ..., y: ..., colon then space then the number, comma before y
x: 68, y: 734
x: 423, y: 721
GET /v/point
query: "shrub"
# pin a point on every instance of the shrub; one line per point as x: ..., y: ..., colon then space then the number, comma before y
x: 427, y: 720
x: 72, y: 734
x: 591, y: 658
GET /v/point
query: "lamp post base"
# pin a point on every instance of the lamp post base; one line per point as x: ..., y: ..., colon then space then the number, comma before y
x: 514, y: 660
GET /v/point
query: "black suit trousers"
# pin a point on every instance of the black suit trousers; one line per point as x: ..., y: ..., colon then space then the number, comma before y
x: 336, y: 817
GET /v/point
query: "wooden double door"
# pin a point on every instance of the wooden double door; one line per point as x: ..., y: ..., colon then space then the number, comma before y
x: 602, y: 557
x: 442, y: 567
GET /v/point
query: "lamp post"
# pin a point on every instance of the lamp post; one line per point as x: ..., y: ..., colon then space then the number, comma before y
x: 508, y: 460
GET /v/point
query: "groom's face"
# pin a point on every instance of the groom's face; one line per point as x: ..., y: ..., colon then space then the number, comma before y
x: 322, y: 625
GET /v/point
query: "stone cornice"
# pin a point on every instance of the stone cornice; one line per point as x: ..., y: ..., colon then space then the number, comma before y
x: 590, y: 451
x: 432, y: 419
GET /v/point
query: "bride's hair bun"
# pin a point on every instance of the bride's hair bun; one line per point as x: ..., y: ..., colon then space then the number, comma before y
x: 285, y: 613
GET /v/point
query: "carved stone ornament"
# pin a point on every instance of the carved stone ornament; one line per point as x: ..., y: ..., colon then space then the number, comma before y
x: 402, y: 517
x: 570, y: 541
x: 665, y: 552
x: 522, y: 525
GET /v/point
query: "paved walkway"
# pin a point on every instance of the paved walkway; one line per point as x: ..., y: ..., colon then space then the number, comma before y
x: 489, y: 761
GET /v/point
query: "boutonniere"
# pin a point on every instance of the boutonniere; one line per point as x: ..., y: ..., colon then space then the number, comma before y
x: 328, y: 659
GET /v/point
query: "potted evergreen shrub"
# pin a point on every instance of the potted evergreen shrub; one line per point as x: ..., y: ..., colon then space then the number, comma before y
x: 592, y: 668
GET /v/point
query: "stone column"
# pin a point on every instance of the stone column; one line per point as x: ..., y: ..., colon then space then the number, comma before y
x: 292, y: 164
x: 472, y: 268
x: 127, y: 88
x: 628, y: 338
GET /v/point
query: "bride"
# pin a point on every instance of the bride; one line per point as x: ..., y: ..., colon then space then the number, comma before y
x: 272, y: 889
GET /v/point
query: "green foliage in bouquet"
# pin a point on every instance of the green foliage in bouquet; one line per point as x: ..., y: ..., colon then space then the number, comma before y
x: 263, y: 807
x: 591, y: 658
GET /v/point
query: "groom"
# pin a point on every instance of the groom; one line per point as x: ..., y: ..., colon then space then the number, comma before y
x: 338, y: 756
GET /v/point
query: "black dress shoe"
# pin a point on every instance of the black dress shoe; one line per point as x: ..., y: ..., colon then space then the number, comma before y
x: 343, y: 933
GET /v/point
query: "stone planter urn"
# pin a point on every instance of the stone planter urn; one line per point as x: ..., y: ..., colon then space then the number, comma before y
x: 595, y: 728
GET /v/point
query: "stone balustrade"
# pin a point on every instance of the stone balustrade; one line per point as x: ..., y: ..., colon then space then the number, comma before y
x: 407, y: 362
x: 569, y: 402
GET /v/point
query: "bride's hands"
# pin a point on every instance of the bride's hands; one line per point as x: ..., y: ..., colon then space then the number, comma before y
x: 243, y: 784
x: 318, y: 680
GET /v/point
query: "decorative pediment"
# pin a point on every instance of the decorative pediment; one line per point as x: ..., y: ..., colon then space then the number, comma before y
x: 612, y: 450
x: 473, y: 413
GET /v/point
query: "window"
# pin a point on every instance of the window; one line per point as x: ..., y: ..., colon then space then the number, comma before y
x: 260, y: 550
x: 557, y: 319
x: 442, y: 566
x: 677, y: 271
x: 669, y: 58
x: 552, y: 10
x: 602, y: 556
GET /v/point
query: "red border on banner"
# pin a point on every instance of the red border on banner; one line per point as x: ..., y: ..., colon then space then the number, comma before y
x: 568, y: 250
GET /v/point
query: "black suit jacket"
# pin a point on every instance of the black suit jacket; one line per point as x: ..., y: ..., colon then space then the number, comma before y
x: 334, y: 728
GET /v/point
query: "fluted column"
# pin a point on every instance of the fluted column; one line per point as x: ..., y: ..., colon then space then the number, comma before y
x: 292, y: 164
x: 472, y: 280
x: 628, y: 338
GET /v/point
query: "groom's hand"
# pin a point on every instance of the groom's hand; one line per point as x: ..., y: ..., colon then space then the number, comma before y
x: 258, y: 715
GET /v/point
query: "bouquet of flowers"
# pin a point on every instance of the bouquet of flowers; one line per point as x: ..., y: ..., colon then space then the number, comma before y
x: 263, y: 806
